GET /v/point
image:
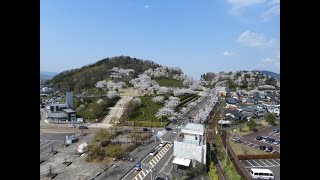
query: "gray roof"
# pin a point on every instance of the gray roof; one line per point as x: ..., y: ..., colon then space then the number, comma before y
x: 57, y: 115
x: 194, y: 127
x: 69, y: 110
x: 59, y: 104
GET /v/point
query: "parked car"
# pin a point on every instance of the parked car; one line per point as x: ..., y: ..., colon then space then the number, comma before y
x: 236, y: 139
x: 72, y: 126
x: 276, y: 142
x: 276, y: 130
x: 168, y: 129
x: 74, y: 139
x: 145, y: 129
x: 268, y: 149
x: 262, y: 147
x: 163, y: 143
x: 259, y: 138
x: 83, y: 127
x: 264, y: 138
x: 270, y: 140
x: 254, y: 129
x: 137, y: 167
x: 153, y: 152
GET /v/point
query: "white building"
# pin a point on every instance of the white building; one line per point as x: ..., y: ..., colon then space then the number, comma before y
x: 191, y: 146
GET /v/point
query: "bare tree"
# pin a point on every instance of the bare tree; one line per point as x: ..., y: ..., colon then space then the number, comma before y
x: 116, y: 124
x: 244, y: 149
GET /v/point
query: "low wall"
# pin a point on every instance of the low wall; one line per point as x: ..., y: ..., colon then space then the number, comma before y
x: 242, y: 171
x: 258, y: 156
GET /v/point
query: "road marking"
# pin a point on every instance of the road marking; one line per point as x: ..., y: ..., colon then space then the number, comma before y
x: 43, y: 142
x: 249, y: 162
x: 268, y: 162
x: 256, y: 162
x: 143, y: 173
x: 76, y: 177
x: 140, y: 175
x: 275, y: 161
x: 151, y: 163
x: 156, y: 158
x: 46, y: 145
x: 162, y: 153
x: 260, y: 166
x: 159, y: 156
x: 263, y: 162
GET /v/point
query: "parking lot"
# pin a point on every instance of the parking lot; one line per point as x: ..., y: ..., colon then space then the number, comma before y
x: 76, y: 169
x: 250, y: 139
x: 49, y: 140
x: 272, y: 164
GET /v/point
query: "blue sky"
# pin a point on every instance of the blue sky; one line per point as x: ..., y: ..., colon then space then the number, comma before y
x: 198, y: 36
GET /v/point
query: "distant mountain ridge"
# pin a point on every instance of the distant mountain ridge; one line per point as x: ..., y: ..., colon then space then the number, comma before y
x: 272, y: 74
x: 47, y: 75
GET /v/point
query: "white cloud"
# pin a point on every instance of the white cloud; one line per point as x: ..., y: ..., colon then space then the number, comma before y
x: 244, y: 3
x: 253, y: 39
x: 237, y: 5
x: 228, y: 53
x: 269, y: 63
x: 273, y: 11
x: 272, y: 2
x: 146, y: 6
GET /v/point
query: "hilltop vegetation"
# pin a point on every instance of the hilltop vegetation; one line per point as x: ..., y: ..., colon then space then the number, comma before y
x: 168, y: 82
x: 242, y: 80
x: 85, y: 78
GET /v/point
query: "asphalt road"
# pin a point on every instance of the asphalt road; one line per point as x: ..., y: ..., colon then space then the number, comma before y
x: 157, y: 167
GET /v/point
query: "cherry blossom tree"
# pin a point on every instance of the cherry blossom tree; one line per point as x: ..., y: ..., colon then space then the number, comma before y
x: 158, y: 99
x: 112, y: 94
x: 101, y: 84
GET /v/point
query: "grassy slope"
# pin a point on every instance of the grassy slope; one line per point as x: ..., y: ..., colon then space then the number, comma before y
x: 145, y: 114
x: 168, y: 82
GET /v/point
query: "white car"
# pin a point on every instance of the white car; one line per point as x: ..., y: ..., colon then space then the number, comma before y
x: 72, y: 126
x: 162, y: 144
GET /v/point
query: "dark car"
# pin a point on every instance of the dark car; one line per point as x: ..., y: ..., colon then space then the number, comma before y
x: 145, y: 129
x: 269, y: 140
x: 262, y: 148
x: 276, y: 130
x: 254, y: 129
x: 268, y: 149
x: 168, y: 129
x: 259, y: 138
x: 137, y: 167
x: 83, y: 127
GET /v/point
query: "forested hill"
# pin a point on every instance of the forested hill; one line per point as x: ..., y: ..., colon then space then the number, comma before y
x: 86, y: 77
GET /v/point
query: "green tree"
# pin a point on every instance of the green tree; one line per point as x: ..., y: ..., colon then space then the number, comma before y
x: 103, y: 136
x: 271, y: 81
x: 115, y: 151
x: 270, y: 118
x: 251, y: 124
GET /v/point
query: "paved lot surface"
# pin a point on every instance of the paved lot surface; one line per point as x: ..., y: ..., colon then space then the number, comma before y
x: 250, y: 139
x: 79, y: 169
x: 272, y: 164
x: 49, y: 140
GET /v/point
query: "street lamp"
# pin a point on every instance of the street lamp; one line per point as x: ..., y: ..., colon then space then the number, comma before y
x: 151, y: 169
